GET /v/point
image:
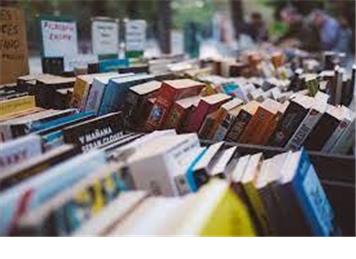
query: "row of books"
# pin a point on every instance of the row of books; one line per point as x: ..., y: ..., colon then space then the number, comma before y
x: 160, y: 183
x: 255, y: 110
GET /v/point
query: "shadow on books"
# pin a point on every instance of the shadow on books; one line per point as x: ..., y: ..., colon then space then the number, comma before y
x: 337, y: 174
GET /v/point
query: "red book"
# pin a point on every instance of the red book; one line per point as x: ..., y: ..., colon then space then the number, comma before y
x: 206, y: 106
x: 171, y: 91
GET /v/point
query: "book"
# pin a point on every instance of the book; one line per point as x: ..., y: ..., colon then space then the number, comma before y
x: 136, y: 101
x: 33, y: 192
x: 199, y: 171
x: 241, y: 121
x: 219, y: 167
x: 19, y: 150
x: 265, y: 115
x: 170, y: 91
x: 94, y: 133
x: 82, y: 87
x: 97, y: 91
x: 179, y: 111
x: 66, y: 212
x: 255, y: 202
x: 16, y: 105
x: 158, y: 163
x: 346, y: 141
x: 206, y: 105
x: 324, y: 128
x: 301, y: 189
x: 227, y: 120
x: 306, y: 126
x: 296, y: 111
x: 21, y: 126
x: 208, y: 215
x: 28, y: 168
x: 116, y: 91
x: 340, y: 129
x: 113, y: 214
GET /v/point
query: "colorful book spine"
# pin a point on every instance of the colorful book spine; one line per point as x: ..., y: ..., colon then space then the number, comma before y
x: 95, y: 96
x: 16, y: 105
x: 238, y: 126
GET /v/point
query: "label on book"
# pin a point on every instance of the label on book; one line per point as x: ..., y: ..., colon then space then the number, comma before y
x: 96, y: 132
x: 13, y: 45
x: 105, y: 36
x: 59, y: 37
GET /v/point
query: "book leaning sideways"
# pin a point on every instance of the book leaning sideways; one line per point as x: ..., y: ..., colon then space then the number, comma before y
x: 31, y: 193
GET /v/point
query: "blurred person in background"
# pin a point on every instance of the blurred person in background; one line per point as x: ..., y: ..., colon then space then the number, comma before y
x: 299, y: 29
x: 328, y: 28
x: 344, y: 41
x: 257, y: 28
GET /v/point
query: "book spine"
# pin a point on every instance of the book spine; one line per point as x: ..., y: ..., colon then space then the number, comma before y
x: 302, y: 132
x: 174, y: 117
x: 207, y: 127
x: 288, y: 124
x: 161, y: 107
x: 5, y: 133
x: 313, y: 199
x: 78, y: 93
x: 198, y: 117
x: 16, y: 105
x: 343, y: 125
x: 223, y: 128
x: 346, y: 141
x: 238, y: 126
x: 255, y: 128
x: 95, y: 96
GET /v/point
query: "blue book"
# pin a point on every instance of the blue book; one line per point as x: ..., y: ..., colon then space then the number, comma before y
x: 112, y: 64
x: 33, y: 192
x: 308, y: 195
x: 190, y: 175
x: 116, y: 91
x: 39, y: 127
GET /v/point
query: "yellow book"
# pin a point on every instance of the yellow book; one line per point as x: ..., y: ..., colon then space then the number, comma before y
x: 16, y: 105
x: 217, y: 211
x: 81, y: 86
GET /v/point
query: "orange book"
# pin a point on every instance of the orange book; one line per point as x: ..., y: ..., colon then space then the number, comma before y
x: 260, y: 123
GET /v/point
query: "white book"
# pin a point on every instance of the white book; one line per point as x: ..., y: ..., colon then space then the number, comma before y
x: 97, y: 90
x: 340, y: 129
x: 112, y: 215
x: 307, y: 125
x: 16, y: 151
x: 224, y: 159
x: 157, y: 164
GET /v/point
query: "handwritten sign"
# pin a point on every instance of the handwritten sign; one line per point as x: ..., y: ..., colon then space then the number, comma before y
x: 59, y: 38
x: 13, y: 45
x: 105, y: 36
x: 135, y: 35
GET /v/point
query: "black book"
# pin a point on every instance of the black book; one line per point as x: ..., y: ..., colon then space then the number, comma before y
x: 53, y: 65
x: 96, y: 132
x: 324, y: 128
x: 134, y: 69
x: 295, y: 113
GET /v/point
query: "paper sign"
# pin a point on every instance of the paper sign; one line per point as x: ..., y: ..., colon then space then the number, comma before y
x: 135, y: 35
x: 13, y: 45
x: 105, y: 37
x: 59, y: 38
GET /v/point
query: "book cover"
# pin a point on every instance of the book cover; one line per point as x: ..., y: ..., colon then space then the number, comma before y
x: 241, y: 121
x: 116, y: 91
x: 290, y: 121
x: 19, y: 150
x: 33, y: 192
x: 206, y: 105
x: 22, y: 171
x: 96, y: 132
x: 171, y: 91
